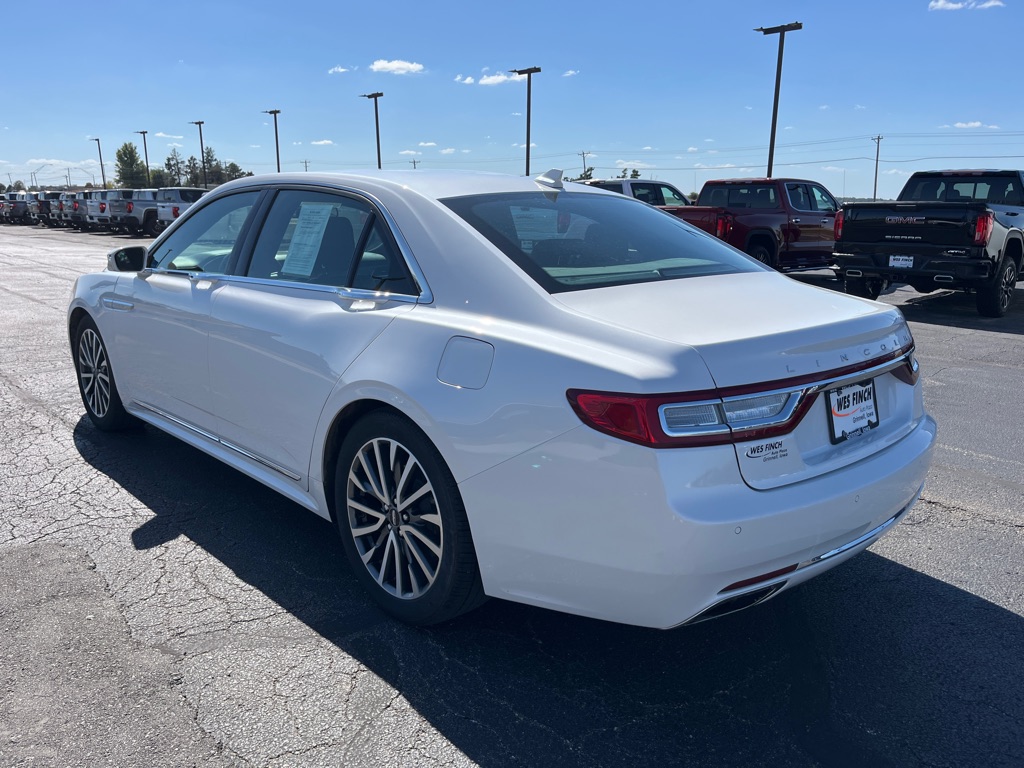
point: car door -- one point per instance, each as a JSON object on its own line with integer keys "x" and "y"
{"x": 826, "y": 206}
{"x": 804, "y": 231}
{"x": 159, "y": 317}
{"x": 325, "y": 278}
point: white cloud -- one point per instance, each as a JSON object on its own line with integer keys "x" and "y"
{"x": 702, "y": 165}
{"x": 523, "y": 146}
{"x": 833, "y": 168}
{"x": 336, "y": 70}
{"x": 570, "y": 72}
{"x": 296, "y": 143}
{"x": 896, "y": 172}
{"x": 410, "y": 152}
{"x": 174, "y": 144}
{"x": 632, "y": 164}
{"x": 859, "y": 106}
{"x": 448, "y": 151}
{"x": 749, "y": 108}
{"x": 709, "y": 140}
{"x": 823, "y": 107}
{"x": 254, "y": 146}
{"x": 464, "y": 80}
{"x": 321, "y": 143}
{"x": 692, "y": 149}
{"x": 500, "y": 78}
{"x": 517, "y": 114}
{"x": 428, "y": 143}
{"x": 973, "y": 124}
{"x": 648, "y": 149}
{"x": 466, "y": 151}
{"x": 162, "y": 135}
{"x": 396, "y": 67}
{"x": 971, "y": 5}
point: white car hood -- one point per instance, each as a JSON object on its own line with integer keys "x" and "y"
{"x": 751, "y": 327}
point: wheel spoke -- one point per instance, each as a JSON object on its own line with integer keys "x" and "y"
{"x": 371, "y": 478}
{"x": 420, "y": 493}
{"x": 412, "y": 531}
{"x": 413, "y": 548}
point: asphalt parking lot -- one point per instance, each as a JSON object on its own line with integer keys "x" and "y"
{"x": 160, "y": 609}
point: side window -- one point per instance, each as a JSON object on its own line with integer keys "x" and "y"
{"x": 798, "y": 197}
{"x": 648, "y": 193}
{"x": 671, "y": 196}
{"x": 327, "y": 239}
{"x": 205, "y": 241}
{"x": 823, "y": 201}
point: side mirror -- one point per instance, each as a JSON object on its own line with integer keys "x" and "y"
{"x": 130, "y": 259}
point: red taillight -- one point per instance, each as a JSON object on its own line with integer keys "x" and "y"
{"x": 624, "y": 416}
{"x": 130, "y": 207}
{"x": 983, "y": 228}
{"x": 175, "y": 211}
{"x": 723, "y": 226}
{"x": 103, "y": 207}
{"x": 837, "y": 228}
{"x": 74, "y": 206}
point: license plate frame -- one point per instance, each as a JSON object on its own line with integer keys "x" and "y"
{"x": 852, "y": 410}
{"x": 901, "y": 262}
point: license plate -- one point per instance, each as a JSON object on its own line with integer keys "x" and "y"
{"x": 902, "y": 261}
{"x": 852, "y": 410}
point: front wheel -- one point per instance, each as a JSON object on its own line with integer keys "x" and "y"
{"x": 403, "y": 524}
{"x": 865, "y": 287}
{"x": 995, "y": 298}
{"x": 96, "y": 380}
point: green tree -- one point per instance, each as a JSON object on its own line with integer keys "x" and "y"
{"x": 131, "y": 171}
{"x": 158, "y": 178}
{"x": 587, "y": 175}
{"x": 175, "y": 168}
{"x": 634, "y": 174}
{"x": 19, "y": 186}
{"x": 193, "y": 176}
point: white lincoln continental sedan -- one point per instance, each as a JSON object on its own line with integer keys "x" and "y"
{"x": 514, "y": 387}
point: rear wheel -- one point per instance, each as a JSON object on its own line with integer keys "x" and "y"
{"x": 762, "y": 253}
{"x": 403, "y": 524}
{"x": 865, "y": 287}
{"x": 995, "y": 298}
{"x": 151, "y": 227}
{"x": 96, "y": 380}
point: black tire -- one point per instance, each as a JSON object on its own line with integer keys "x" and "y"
{"x": 995, "y": 298}
{"x": 865, "y": 287}
{"x": 416, "y": 558}
{"x": 151, "y": 227}
{"x": 96, "y": 380}
{"x": 762, "y": 253}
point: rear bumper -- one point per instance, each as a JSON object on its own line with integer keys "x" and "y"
{"x": 939, "y": 268}
{"x": 660, "y": 538}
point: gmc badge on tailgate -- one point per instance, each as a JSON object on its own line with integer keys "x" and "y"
{"x": 904, "y": 219}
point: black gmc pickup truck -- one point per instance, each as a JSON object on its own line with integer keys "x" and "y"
{"x": 947, "y": 229}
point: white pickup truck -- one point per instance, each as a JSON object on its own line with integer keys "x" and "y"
{"x": 135, "y": 214}
{"x": 174, "y": 201}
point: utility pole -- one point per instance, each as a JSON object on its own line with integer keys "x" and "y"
{"x": 376, "y": 120}
{"x": 202, "y": 150}
{"x": 414, "y": 163}
{"x": 781, "y": 32}
{"x": 277, "y": 145}
{"x": 878, "y": 149}
{"x": 103, "y": 173}
{"x": 529, "y": 72}
{"x": 305, "y": 164}
{"x": 584, "y": 154}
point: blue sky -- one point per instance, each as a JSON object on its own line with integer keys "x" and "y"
{"x": 681, "y": 91}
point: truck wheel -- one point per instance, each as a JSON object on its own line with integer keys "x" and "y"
{"x": 865, "y": 287}
{"x": 151, "y": 228}
{"x": 995, "y": 297}
{"x": 762, "y": 253}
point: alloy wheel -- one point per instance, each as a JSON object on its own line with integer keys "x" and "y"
{"x": 94, "y": 372}
{"x": 394, "y": 519}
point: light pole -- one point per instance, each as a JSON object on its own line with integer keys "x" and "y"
{"x": 529, "y": 72}
{"x": 376, "y": 119}
{"x": 145, "y": 151}
{"x": 202, "y": 150}
{"x": 103, "y": 174}
{"x": 781, "y": 32}
{"x": 277, "y": 146}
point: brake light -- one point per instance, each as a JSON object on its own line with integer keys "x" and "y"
{"x": 837, "y": 228}
{"x": 175, "y": 211}
{"x": 74, "y": 207}
{"x": 723, "y": 226}
{"x": 130, "y": 207}
{"x": 103, "y": 207}
{"x": 983, "y": 228}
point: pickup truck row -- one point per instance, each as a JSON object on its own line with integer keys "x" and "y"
{"x": 133, "y": 211}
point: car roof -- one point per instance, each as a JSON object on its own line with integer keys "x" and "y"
{"x": 435, "y": 185}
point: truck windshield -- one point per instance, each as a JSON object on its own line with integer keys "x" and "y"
{"x": 572, "y": 241}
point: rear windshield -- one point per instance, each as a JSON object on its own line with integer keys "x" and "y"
{"x": 572, "y": 241}
{"x": 738, "y": 196}
{"x": 191, "y": 195}
{"x": 1000, "y": 190}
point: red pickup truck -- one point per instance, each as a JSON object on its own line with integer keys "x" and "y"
{"x": 784, "y": 223}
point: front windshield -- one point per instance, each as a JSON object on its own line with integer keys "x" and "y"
{"x": 570, "y": 241}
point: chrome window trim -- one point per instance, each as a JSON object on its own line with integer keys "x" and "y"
{"x": 345, "y": 293}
